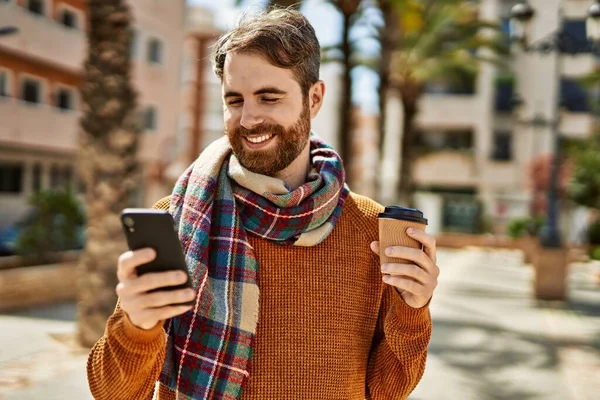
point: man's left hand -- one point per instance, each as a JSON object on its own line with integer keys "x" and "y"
{"x": 415, "y": 282}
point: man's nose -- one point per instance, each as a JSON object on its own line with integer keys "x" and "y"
{"x": 250, "y": 117}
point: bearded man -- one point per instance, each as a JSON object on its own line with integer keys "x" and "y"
{"x": 290, "y": 301}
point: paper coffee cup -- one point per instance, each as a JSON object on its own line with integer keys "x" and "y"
{"x": 393, "y": 223}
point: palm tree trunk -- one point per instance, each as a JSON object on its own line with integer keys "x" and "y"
{"x": 296, "y": 4}
{"x": 345, "y": 125}
{"x": 387, "y": 39}
{"x": 107, "y": 162}
{"x": 410, "y": 93}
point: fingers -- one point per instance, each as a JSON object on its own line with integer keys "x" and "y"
{"x": 163, "y": 313}
{"x": 406, "y": 270}
{"x": 428, "y": 242}
{"x": 407, "y": 285}
{"x": 150, "y": 317}
{"x": 150, "y": 281}
{"x": 407, "y": 253}
{"x": 375, "y": 247}
{"x": 159, "y": 299}
{"x": 129, "y": 260}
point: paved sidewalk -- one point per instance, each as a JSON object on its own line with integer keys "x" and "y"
{"x": 491, "y": 340}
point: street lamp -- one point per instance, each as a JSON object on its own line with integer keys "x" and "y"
{"x": 521, "y": 16}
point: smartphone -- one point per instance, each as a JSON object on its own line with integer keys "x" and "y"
{"x": 147, "y": 227}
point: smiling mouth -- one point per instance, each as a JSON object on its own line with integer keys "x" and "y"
{"x": 259, "y": 139}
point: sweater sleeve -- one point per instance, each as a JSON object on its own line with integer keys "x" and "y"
{"x": 126, "y": 362}
{"x": 399, "y": 350}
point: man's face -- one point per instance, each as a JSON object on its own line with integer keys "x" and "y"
{"x": 266, "y": 115}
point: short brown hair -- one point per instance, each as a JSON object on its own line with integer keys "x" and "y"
{"x": 284, "y": 37}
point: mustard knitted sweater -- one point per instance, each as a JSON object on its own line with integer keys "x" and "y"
{"x": 328, "y": 327}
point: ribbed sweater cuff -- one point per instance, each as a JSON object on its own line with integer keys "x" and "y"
{"x": 137, "y": 339}
{"x": 407, "y": 317}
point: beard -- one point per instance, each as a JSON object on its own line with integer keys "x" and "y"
{"x": 289, "y": 144}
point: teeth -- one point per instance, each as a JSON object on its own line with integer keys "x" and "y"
{"x": 259, "y": 139}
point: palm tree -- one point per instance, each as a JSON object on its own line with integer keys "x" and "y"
{"x": 437, "y": 39}
{"x": 107, "y": 162}
{"x": 388, "y": 36}
{"x": 349, "y": 10}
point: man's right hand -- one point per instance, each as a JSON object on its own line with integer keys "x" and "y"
{"x": 145, "y": 310}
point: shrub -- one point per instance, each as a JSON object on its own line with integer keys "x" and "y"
{"x": 56, "y": 223}
{"x": 519, "y": 227}
{"x": 595, "y": 253}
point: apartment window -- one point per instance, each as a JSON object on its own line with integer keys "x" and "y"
{"x": 11, "y": 178}
{"x": 36, "y": 7}
{"x": 31, "y": 91}
{"x": 4, "y": 84}
{"x": 462, "y": 83}
{"x": 444, "y": 140}
{"x": 505, "y": 89}
{"x": 67, "y": 176}
{"x": 150, "y": 118}
{"x": 574, "y": 96}
{"x": 576, "y": 29}
{"x": 155, "y": 49}
{"x": 64, "y": 99}
{"x": 55, "y": 176}
{"x": 37, "y": 177}
{"x": 69, "y": 19}
{"x": 502, "y": 146}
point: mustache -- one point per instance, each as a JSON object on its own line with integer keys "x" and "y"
{"x": 261, "y": 129}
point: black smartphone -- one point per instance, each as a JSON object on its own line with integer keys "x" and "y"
{"x": 147, "y": 227}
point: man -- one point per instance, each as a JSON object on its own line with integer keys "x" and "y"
{"x": 290, "y": 301}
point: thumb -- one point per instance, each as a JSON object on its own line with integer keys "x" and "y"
{"x": 375, "y": 247}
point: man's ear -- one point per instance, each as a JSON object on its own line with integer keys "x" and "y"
{"x": 315, "y": 98}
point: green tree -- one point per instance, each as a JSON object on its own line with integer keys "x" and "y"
{"x": 107, "y": 158}
{"x": 351, "y": 12}
{"x": 388, "y": 35}
{"x": 442, "y": 39}
{"x": 55, "y": 222}
{"x": 584, "y": 186}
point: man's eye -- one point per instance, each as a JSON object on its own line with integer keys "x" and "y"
{"x": 269, "y": 100}
{"x": 234, "y": 102}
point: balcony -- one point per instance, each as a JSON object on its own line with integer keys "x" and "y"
{"x": 577, "y": 125}
{"x": 578, "y": 66}
{"x": 42, "y": 38}
{"x": 448, "y": 168}
{"x": 37, "y": 126}
{"x": 502, "y": 175}
{"x": 449, "y": 111}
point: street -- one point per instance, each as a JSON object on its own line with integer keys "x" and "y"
{"x": 491, "y": 340}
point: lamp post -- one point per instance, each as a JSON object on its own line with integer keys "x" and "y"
{"x": 560, "y": 42}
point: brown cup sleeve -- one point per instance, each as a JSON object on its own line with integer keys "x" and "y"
{"x": 392, "y": 232}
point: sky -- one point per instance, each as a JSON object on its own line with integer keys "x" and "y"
{"x": 328, "y": 26}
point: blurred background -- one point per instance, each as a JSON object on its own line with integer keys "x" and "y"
{"x": 483, "y": 114}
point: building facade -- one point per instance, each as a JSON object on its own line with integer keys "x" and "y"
{"x": 473, "y": 155}
{"x": 41, "y": 68}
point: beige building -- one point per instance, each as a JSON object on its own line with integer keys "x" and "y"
{"x": 40, "y": 71}
{"x": 474, "y": 155}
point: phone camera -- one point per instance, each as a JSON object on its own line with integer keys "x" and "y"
{"x": 128, "y": 221}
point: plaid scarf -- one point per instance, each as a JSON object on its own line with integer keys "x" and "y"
{"x": 214, "y": 204}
